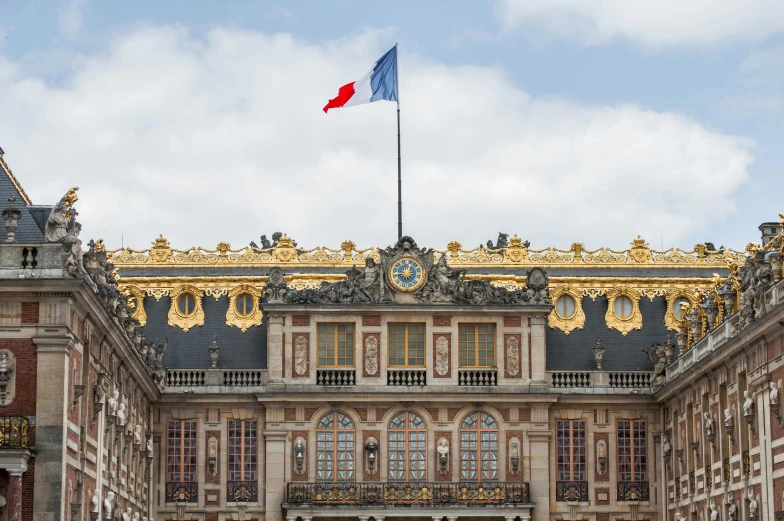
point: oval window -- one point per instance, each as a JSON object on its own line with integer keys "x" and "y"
{"x": 565, "y": 306}
{"x": 244, "y": 305}
{"x": 676, "y": 307}
{"x": 623, "y": 307}
{"x": 186, "y": 304}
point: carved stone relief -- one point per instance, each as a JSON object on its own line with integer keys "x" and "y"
{"x": 7, "y": 377}
{"x": 371, "y": 356}
{"x": 512, "y": 356}
{"x": 442, "y": 356}
{"x": 300, "y": 355}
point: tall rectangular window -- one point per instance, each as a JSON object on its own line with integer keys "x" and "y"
{"x": 243, "y": 470}
{"x": 336, "y": 345}
{"x": 632, "y": 451}
{"x": 406, "y": 345}
{"x": 181, "y": 452}
{"x": 477, "y": 345}
{"x": 571, "y": 450}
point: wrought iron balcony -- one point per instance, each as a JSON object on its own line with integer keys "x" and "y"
{"x": 634, "y": 491}
{"x": 423, "y": 493}
{"x": 182, "y": 491}
{"x": 14, "y": 432}
{"x": 242, "y": 491}
{"x": 571, "y": 491}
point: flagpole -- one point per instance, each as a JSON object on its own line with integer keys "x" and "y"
{"x": 399, "y": 182}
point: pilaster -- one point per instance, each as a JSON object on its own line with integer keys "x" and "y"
{"x": 51, "y": 424}
{"x": 275, "y": 347}
{"x": 539, "y": 443}
{"x": 275, "y": 482}
{"x": 538, "y": 349}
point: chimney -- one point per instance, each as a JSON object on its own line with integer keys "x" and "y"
{"x": 769, "y": 231}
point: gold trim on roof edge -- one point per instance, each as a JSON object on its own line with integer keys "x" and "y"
{"x": 15, "y": 181}
{"x": 516, "y": 254}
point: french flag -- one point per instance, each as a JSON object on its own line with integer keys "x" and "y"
{"x": 378, "y": 84}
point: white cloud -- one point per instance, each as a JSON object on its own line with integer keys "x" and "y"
{"x": 651, "y": 24}
{"x": 71, "y": 19}
{"x": 223, "y": 138}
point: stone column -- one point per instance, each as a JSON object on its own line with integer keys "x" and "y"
{"x": 539, "y": 444}
{"x": 15, "y": 496}
{"x": 275, "y": 486}
{"x": 275, "y": 348}
{"x": 538, "y": 350}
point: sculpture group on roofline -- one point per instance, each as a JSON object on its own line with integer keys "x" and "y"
{"x": 442, "y": 284}
{"x": 93, "y": 266}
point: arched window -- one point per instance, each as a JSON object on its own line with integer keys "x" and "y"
{"x": 478, "y": 448}
{"x": 335, "y": 448}
{"x": 407, "y": 448}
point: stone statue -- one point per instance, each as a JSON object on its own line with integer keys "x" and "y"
{"x": 666, "y": 447}
{"x": 448, "y": 279}
{"x": 442, "y": 355}
{"x": 6, "y": 367}
{"x": 679, "y": 516}
{"x": 121, "y": 415}
{"x": 300, "y": 355}
{"x": 708, "y": 424}
{"x": 512, "y": 356}
{"x": 443, "y": 455}
{"x": 748, "y": 404}
{"x": 275, "y": 289}
{"x": 371, "y": 355}
{"x": 371, "y": 284}
{"x": 536, "y": 281}
{"x": 753, "y": 504}
{"x": 137, "y": 435}
{"x": 136, "y": 517}
{"x": 112, "y": 402}
{"x": 299, "y": 456}
{"x": 732, "y": 509}
{"x": 126, "y": 516}
{"x": 501, "y": 242}
{"x": 371, "y": 448}
{"x": 774, "y": 394}
{"x": 149, "y": 447}
{"x": 265, "y": 243}
{"x": 711, "y": 310}
{"x": 658, "y": 355}
{"x": 95, "y": 502}
{"x": 714, "y": 516}
{"x": 108, "y": 506}
{"x": 728, "y": 418}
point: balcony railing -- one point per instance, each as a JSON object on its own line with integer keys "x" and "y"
{"x": 182, "y": 491}
{"x": 570, "y": 380}
{"x": 634, "y": 491}
{"x": 407, "y": 377}
{"x": 242, "y": 491}
{"x": 477, "y": 377}
{"x": 336, "y": 377}
{"x": 571, "y": 491}
{"x": 14, "y": 432}
{"x": 184, "y": 378}
{"x": 491, "y": 493}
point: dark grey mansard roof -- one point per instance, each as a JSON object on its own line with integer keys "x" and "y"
{"x": 30, "y": 228}
{"x": 189, "y": 350}
{"x": 574, "y": 352}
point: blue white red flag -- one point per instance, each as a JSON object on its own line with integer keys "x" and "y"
{"x": 378, "y": 84}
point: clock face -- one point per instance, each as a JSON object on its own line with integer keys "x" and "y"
{"x": 407, "y": 274}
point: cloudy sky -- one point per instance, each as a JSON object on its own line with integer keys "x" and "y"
{"x": 558, "y": 120}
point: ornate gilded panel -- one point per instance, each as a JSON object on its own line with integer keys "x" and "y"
{"x": 567, "y": 323}
{"x": 244, "y": 310}
{"x": 623, "y": 322}
{"x": 136, "y": 296}
{"x": 186, "y": 310}
{"x": 670, "y": 320}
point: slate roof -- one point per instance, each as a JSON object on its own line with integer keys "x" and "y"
{"x": 574, "y": 352}
{"x": 190, "y": 350}
{"x": 29, "y": 230}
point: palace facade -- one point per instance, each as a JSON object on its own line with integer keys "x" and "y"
{"x": 281, "y": 381}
